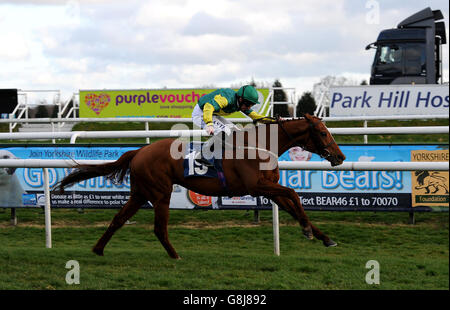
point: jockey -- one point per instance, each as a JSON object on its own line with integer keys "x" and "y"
{"x": 208, "y": 112}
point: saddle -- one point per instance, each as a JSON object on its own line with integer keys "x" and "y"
{"x": 195, "y": 165}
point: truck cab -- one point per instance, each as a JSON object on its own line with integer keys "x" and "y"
{"x": 410, "y": 53}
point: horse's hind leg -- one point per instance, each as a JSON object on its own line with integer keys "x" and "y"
{"x": 125, "y": 213}
{"x": 161, "y": 221}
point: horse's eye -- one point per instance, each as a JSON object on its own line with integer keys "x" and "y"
{"x": 323, "y": 133}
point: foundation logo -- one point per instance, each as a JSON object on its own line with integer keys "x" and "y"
{"x": 431, "y": 183}
{"x": 97, "y": 102}
{"x": 430, "y": 188}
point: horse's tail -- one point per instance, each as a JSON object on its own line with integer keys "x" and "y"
{"x": 116, "y": 170}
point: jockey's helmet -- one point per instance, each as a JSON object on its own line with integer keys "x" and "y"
{"x": 249, "y": 94}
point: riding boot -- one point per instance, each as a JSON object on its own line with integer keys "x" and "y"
{"x": 219, "y": 154}
{"x": 208, "y": 148}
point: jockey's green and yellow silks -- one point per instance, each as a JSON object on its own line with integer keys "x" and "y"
{"x": 223, "y": 101}
{"x": 168, "y": 103}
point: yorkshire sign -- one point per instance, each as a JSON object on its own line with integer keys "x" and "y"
{"x": 377, "y": 100}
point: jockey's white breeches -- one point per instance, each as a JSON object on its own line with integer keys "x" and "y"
{"x": 220, "y": 123}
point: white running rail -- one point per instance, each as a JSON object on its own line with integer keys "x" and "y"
{"x": 200, "y": 133}
{"x": 60, "y": 163}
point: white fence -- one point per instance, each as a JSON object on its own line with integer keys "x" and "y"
{"x": 51, "y": 163}
{"x": 189, "y": 120}
{"x": 73, "y": 135}
{"x": 283, "y": 165}
{"x": 56, "y": 123}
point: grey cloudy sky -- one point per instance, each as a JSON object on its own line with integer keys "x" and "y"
{"x": 72, "y": 45}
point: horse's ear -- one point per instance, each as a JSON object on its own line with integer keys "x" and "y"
{"x": 307, "y": 116}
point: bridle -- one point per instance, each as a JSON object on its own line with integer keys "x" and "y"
{"x": 323, "y": 149}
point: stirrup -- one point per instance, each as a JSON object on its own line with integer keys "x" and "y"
{"x": 204, "y": 162}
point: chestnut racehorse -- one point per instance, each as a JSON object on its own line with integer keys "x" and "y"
{"x": 153, "y": 172}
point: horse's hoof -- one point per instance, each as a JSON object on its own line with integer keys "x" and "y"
{"x": 329, "y": 243}
{"x": 308, "y": 234}
{"x": 99, "y": 252}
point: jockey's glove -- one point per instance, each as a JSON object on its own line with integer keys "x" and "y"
{"x": 210, "y": 130}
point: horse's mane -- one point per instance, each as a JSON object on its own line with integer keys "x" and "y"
{"x": 283, "y": 120}
{"x": 273, "y": 121}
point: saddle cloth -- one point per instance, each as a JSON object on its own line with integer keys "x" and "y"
{"x": 194, "y": 169}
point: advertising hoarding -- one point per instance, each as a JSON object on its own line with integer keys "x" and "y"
{"x": 157, "y": 103}
{"x": 385, "y": 100}
{"x": 318, "y": 190}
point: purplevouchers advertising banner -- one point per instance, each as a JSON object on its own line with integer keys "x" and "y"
{"x": 318, "y": 190}
{"x": 155, "y": 103}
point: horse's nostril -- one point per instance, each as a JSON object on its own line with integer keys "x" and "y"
{"x": 341, "y": 157}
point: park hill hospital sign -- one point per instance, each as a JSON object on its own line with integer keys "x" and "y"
{"x": 389, "y": 100}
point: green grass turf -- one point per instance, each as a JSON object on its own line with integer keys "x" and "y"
{"x": 226, "y": 250}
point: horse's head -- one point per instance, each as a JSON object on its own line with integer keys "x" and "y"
{"x": 322, "y": 142}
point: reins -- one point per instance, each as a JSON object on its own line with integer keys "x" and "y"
{"x": 311, "y": 127}
{"x": 291, "y": 138}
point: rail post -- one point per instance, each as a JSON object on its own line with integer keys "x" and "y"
{"x": 256, "y": 216}
{"x": 147, "y": 140}
{"x": 53, "y": 130}
{"x": 13, "y": 217}
{"x": 412, "y": 219}
{"x": 47, "y": 211}
{"x": 276, "y": 229}
{"x": 366, "y": 140}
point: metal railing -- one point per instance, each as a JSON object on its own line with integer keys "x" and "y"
{"x": 21, "y": 111}
{"x": 291, "y": 99}
{"x": 349, "y": 166}
{"x": 73, "y": 135}
{"x": 68, "y": 110}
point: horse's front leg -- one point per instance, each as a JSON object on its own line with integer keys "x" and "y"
{"x": 309, "y": 231}
{"x": 298, "y": 214}
{"x": 161, "y": 221}
{"x": 289, "y": 201}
